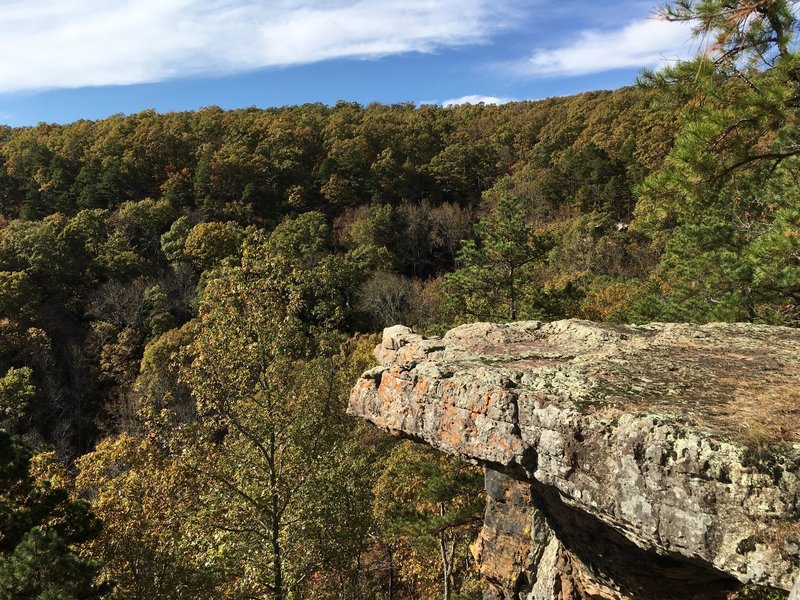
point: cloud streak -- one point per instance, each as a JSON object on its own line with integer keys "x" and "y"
{"x": 643, "y": 43}
{"x": 476, "y": 99}
{"x": 76, "y": 43}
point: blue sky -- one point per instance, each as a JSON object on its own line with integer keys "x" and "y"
{"x": 71, "y": 59}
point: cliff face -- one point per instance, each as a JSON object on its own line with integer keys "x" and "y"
{"x": 654, "y": 462}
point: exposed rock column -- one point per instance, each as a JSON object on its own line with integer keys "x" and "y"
{"x": 520, "y": 556}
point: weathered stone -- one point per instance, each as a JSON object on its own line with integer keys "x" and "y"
{"x": 659, "y": 461}
{"x": 795, "y": 595}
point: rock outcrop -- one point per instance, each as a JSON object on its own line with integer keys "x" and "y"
{"x": 649, "y": 462}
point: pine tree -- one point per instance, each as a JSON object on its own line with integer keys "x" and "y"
{"x": 39, "y": 529}
{"x": 493, "y": 270}
{"x": 729, "y": 185}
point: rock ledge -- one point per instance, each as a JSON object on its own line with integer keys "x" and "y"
{"x": 658, "y": 461}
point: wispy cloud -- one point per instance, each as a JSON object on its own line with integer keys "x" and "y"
{"x": 476, "y": 99}
{"x": 77, "y": 43}
{"x": 643, "y": 43}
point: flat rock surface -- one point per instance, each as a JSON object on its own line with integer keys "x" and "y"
{"x": 683, "y": 439}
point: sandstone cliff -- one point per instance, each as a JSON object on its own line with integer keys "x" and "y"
{"x": 650, "y": 462}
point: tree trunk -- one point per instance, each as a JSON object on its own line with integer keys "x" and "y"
{"x": 277, "y": 562}
{"x": 446, "y": 562}
{"x": 277, "y": 567}
{"x": 512, "y": 309}
{"x": 391, "y": 571}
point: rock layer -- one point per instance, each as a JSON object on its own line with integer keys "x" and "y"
{"x": 657, "y": 461}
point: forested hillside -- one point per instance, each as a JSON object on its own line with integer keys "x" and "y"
{"x": 185, "y": 300}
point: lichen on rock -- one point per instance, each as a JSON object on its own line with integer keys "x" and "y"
{"x": 656, "y": 461}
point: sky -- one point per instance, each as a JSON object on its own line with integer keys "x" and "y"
{"x": 65, "y": 60}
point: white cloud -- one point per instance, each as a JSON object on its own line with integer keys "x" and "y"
{"x": 643, "y": 43}
{"x": 76, "y": 43}
{"x": 476, "y": 99}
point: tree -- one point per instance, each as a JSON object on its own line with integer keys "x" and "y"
{"x": 16, "y": 294}
{"x": 465, "y": 167}
{"x": 754, "y": 29}
{"x": 159, "y": 318}
{"x": 429, "y": 501}
{"x": 176, "y": 499}
{"x": 452, "y": 224}
{"x": 494, "y": 269}
{"x": 147, "y": 501}
{"x": 208, "y": 244}
{"x": 141, "y": 225}
{"x": 40, "y": 528}
{"x": 304, "y": 239}
{"x": 269, "y": 445}
{"x": 415, "y": 249}
{"x": 329, "y": 282}
{"x": 174, "y": 240}
{"x": 374, "y": 225}
{"x": 730, "y": 180}
{"x": 386, "y": 299}
{"x": 17, "y": 391}
{"x": 165, "y": 401}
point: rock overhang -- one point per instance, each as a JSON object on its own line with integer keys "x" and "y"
{"x": 682, "y": 439}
